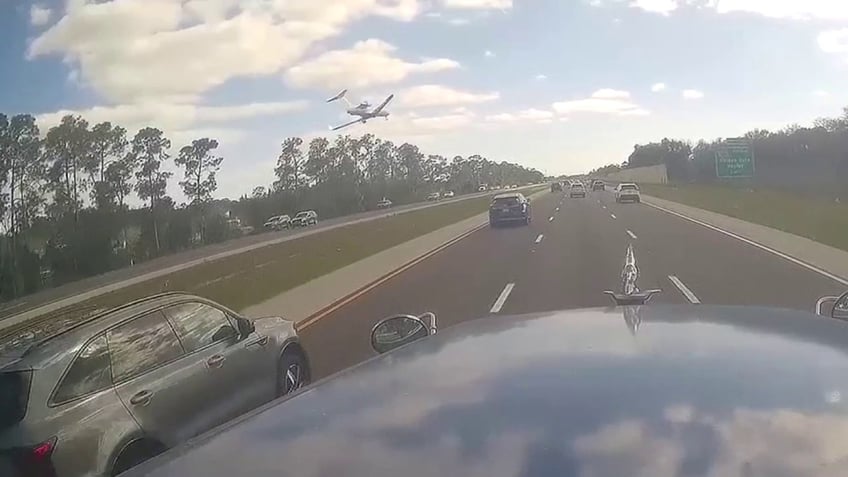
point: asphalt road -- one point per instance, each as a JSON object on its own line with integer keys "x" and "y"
{"x": 573, "y": 250}
{"x": 44, "y": 297}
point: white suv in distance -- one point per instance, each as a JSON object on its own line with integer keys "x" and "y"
{"x": 278, "y": 222}
{"x": 627, "y": 191}
{"x": 304, "y": 218}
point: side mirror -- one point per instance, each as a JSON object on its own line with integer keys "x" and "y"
{"x": 245, "y": 327}
{"x": 396, "y": 331}
{"x": 840, "y": 307}
{"x": 225, "y": 333}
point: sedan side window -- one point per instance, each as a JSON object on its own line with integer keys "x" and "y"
{"x": 198, "y": 324}
{"x": 142, "y": 344}
{"x": 90, "y": 372}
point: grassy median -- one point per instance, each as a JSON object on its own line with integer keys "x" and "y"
{"x": 824, "y": 221}
{"x": 249, "y": 278}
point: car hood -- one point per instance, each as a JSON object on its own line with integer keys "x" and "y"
{"x": 637, "y": 391}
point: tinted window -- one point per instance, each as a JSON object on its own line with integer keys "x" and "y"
{"x": 88, "y": 373}
{"x": 505, "y": 201}
{"x": 14, "y": 394}
{"x": 629, "y": 187}
{"x": 142, "y": 344}
{"x": 196, "y": 324}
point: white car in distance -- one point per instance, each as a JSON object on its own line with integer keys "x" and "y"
{"x": 278, "y": 222}
{"x": 448, "y": 195}
{"x": 627, "y": 191}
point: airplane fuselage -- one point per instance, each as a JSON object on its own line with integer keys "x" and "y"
{"x": 367, "y": 114}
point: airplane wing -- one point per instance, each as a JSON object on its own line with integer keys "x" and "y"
{"x": 380, "y": 107}
{"x": 345, "y": 125}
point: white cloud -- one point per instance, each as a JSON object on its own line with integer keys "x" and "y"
{"x": 437, "y": 95}
{"x": 785, "y": 9}
{"x": 478, "y": 4}
{"x": 657, "y": 87}
{"x": 663, "y": 7}
{"x": 834, "y": 41}
{"x": 791, "y": 9}
{"x": 130, "y": 49}
{"x": 489, "y": 54}
{"x": 39, "y": 15}
{"x": 527, "y": 115}
{"x": 459, "y": 21}
{"x": 541, "y": 77}
{"x": 368, "y": 63}
{"x": 820, "y": 93}
{"x": 692, "y": 94}
{"x": 602, "y": 101}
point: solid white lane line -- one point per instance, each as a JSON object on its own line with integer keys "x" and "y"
{"x": 684, "y": 290}
{"x": 631, "y": 234}
{"x": 550, "y": 219}
{"x": 539, "y": 238}
{"x": 499, "y": 303}
{"x": 613, "y": 216}
{"x": 755, "y": 244}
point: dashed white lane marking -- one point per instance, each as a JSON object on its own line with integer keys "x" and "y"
{"x": 755, "y": 244}
{"x": 550, "y": 219}
{"x": 603, "y": 207}
{"x": 613, "y": 216}
{"x": 631, "y": 234}
{"x": 557, "y": 209}
{"x": 539, "y": 238}
{"x": 499, "y": 303}
{"x": 684, "y": 290}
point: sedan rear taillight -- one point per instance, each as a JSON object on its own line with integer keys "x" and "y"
{"x": 34, "y": 461}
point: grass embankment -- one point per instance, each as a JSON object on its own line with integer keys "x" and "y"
{"x": 824, "y": 221}
{"x": 249, "y": 278}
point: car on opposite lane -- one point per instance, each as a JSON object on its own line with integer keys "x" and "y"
{"x": 384, "y": 203}
{"x": 305, "y": 218}
{"x": 434, "y": 196}
{"x": 449, "y": 195}
{"x": 102, "y": 391}
{"x": 627, "y": 192}
{"x": 577, "y": 190}
{"x": 510, "y": 208}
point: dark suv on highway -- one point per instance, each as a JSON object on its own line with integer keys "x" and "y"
{"x": 107, "y": 390}
{"x": 507, "y": 208}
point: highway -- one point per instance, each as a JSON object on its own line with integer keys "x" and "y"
{"x": 86, "y": 288}
{"x": 573, "y": 250}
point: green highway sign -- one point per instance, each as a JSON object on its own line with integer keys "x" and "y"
{"x": 735, "y": 159}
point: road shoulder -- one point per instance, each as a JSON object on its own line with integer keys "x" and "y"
{"x": 824, "y": 259}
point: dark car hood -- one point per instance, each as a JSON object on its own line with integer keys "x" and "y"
{"x": 651, "y": 391}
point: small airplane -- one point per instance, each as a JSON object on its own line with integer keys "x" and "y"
{"x": 362, "y": 110}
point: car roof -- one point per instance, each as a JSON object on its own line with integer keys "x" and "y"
{"x": 509, "y": 195}
{"x": 645, "y": 390}
{"x": 39, "y": 342}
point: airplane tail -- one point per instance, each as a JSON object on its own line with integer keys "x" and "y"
{"x": 339, "y": 96}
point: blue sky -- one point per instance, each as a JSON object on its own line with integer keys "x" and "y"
{"x": 560, "y": 85}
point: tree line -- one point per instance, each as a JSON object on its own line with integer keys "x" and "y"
{"x": 65, "y": 193}
{"x": 809, "y": 159}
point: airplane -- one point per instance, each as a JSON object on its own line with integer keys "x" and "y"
{"x": 362, "y": 110}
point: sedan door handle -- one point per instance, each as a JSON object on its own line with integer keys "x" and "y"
{"x": 215, "y": 361}
{"x": 141, "y": 398}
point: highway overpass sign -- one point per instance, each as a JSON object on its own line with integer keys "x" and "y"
{"x": 734, "y": 159}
